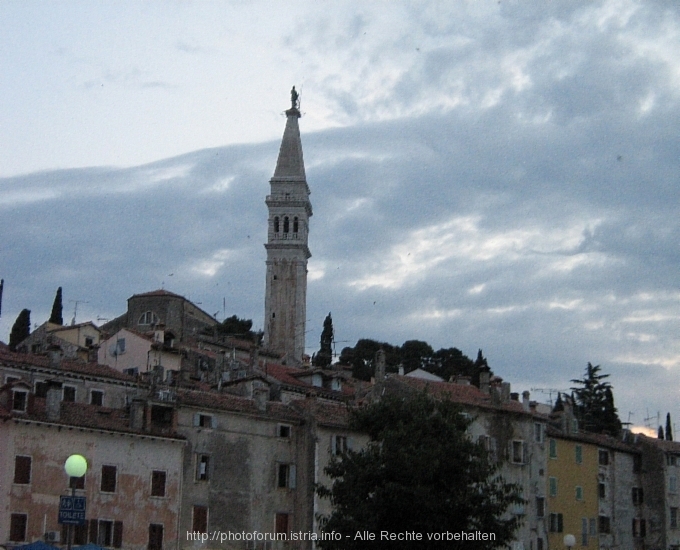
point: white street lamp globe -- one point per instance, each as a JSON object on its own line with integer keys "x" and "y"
{"x": 75, "y": 466}
{"x": 569, "y": 540}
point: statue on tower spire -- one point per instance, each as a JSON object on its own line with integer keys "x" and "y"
{"x": 294, "y": 99}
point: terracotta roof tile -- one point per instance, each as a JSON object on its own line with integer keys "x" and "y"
{"x": 92, "y": 369}
{"x": 601, "y": 440}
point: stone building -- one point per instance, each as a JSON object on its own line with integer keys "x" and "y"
{"x": 180, "y": 319}
{"x": 287, "y": 249}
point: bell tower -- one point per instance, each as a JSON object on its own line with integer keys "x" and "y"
{"x": 285, "y": 302}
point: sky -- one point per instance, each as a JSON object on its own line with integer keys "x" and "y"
{"x": 500, "y": 175}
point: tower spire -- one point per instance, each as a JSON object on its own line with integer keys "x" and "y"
{"x": 287, "y": 248}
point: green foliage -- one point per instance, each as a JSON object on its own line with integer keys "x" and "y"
{"x": 594, "y": 403}
{"x": 413, "y": 354}
{"x": 21, "y": 329}
{"x": 669, "y": 429}
{"x": 238, "y": 328}
{"x": 57, "y": 310}
{"x": 419, "y": 473}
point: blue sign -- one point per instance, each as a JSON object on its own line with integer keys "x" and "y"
{"x": 71, "y": 510}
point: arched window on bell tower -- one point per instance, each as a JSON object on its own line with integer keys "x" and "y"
{"x": 286, "y": 225}
{"x": 276, "y": 224}
{"x": 295, "y": 224}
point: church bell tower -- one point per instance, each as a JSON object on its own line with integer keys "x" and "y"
{"x": 285, "y": 303}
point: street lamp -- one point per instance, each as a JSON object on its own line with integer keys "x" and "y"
{"x": 75, "y": 466}
{"x": 569, "y": 540}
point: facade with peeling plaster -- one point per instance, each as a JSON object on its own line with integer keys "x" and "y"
{"x": 133, "y": 485}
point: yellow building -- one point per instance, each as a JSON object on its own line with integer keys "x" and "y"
{"x": 573, "y": 490}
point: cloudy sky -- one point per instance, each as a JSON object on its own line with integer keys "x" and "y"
{"x": 500, "y": 175}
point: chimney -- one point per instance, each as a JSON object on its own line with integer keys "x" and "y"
{"x": 505, "y": 392}
{"x": 514, "y": 396}
{"x": 525, "y": 400}
{"x": 401, "y": 370}
{"x": 261, "y": 396}
{"x": 379, "y": 365}
{"x": 53, "y": 401}
{"x": 137, "y": 414}
{"x": 484, "y": 377}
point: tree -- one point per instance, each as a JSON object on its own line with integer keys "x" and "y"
{"x": 594, "y": 403}
{"x": 416, "y": 354}
{"x": 669, "y": 430}
{"x": 21, "y": 329}
{"x": 240, "y": 328}
{"x": 659, "y": 433}
{"x": 325, "y": 355}
{"x": 419, "y": 473}
{"x": 57, "y": 309}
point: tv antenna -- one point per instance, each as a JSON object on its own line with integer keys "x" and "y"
{"x": 75, "y": 309}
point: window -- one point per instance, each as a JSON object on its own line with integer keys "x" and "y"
{"x": 41, "y": 389}
{"x": 89, "y": 341}
{"x": 602, "y": 490}
{"x": 284, "y": 431}
{"x": 489, "y": 444}
{"x": 593, "y": 527}
{"x": 161, "y": 417}
{"x": 295, "y": 224}
{"x": 281, "y": 523}
{"x": 338, "y": 444}
{"x": 202, "y": 467}
{"x": 204, "y": 420}
{"x": 120, "y": 346}
{"x": 604, "y": 525}
{"x": 639, "y": 527}
{"x": 69, "y": 394}
{"x": 539, "y": 543}
{"x": 158, "y": 483}
{"x": 79, "y": 534}
{"x": 155, "y": 537}
{"x": 97, "y": 398}
{"x": 540, "y": 507}
{"x": 674, "y": 518}
{"x": 286, "y": 225}
{"x": 553, "y": 486}
{"x": 672, "y": 484}
{"x": 19, "y": 400}
{"x": 579, "y": 492}
{"x": 556, "y": 523}
{"x": 106, "y": 532}
{"x": 584, "y": 531}
{"x": 200, "y": 519}
{"x": 538, "y": 432}
{"x": 108, "y": 484}
{"x": 603, "y": 457}
{"x": 671, "y": 460}
{"x": 276, "y": 224}
{"x": 578, "y": 450}
{"x": 286, "y": 476}
{"x": 148, "y": 318}
{"x": 17, "y": 527}
{"x": 518, "y": 452}
{"x": 638, "y": 496}
{"x": 553, "y": 448}
{"x": 22, "y": 470}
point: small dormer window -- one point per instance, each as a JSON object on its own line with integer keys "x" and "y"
{"x": 19, "y": 400}
{"x": 148, "y": 318}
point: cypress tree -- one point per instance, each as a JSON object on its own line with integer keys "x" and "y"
{"x": 659, "y": 434}
{"x": 21, "y": 329}
{"x": 57, "y": 310}
{"x": 669, "y": 430}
